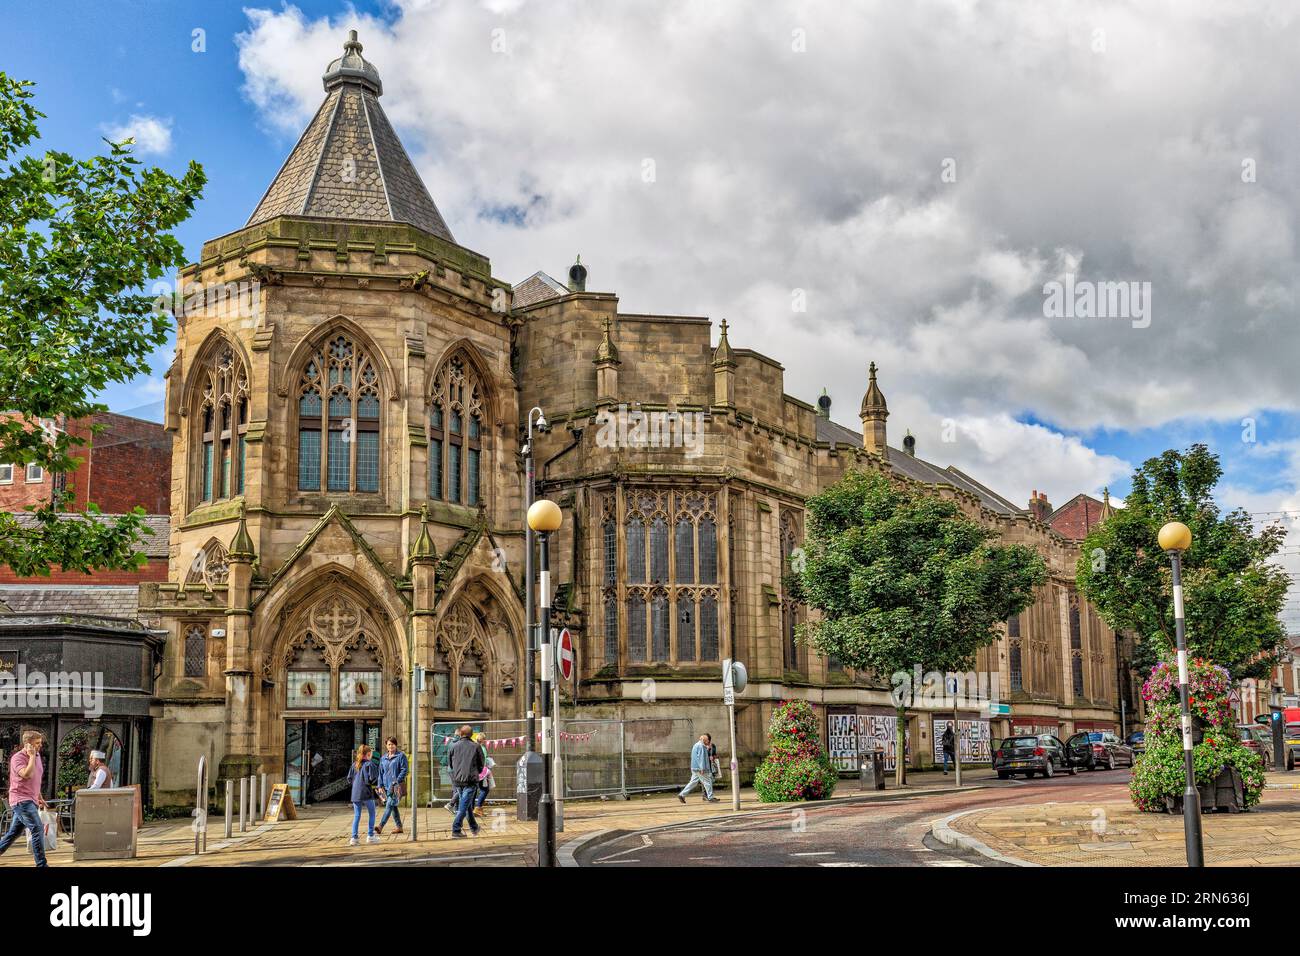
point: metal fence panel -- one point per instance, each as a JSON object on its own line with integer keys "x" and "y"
{"x": 600, "y": 757}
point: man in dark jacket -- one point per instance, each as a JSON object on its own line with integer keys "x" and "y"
{"x": 465, "y": 761}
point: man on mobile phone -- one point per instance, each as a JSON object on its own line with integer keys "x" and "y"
{"x": 25, "y": 772}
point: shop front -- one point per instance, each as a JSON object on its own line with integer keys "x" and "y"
{"x": 85, "y": 683}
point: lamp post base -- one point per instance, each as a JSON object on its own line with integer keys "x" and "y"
{"x": 546, "y": 832}
{"x": 1192, "y": 827}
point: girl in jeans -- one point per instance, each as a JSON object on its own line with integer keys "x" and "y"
{"x": 393, "y": 768}
{"x": 364, "y": 777}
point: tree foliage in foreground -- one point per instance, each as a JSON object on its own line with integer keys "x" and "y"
{"x": 79, "y": 239}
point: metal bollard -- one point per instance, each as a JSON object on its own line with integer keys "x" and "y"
{"x": 261, "y": 803}
{"x": 230, "y": 806}
{"x": 252, "y": 800}
{"x": 243, "y": 804}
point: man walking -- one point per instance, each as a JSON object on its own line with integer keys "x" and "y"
{"x": 25, "y": 772}
{"x": 701, "y": 770}
{"x": 949, "y": 748}
{"x": 466, "y": 763}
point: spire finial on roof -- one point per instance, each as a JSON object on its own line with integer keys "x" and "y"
{"x": 352, "y": 67}
{"x": 873, "y": 403}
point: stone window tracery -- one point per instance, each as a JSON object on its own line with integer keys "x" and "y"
{"x": 338, "y": 419}
{"x": 670, "y": 594}
{"x": 456, "y": 429}
{"x": 223, "y": 424}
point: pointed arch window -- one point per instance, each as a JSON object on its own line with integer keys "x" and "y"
{"x": 338, "y": 419}
{"x": 456, "y": 428}
{"x": 223, "y": 424}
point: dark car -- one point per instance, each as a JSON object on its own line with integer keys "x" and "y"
{"x": 1043, "y": 754}
{"x": 1137, "y": 742}
{"x": 1257, "y": 739}
{"x": 1107, "y": 750}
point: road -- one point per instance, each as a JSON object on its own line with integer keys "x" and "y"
{"x": 883, "y": 831}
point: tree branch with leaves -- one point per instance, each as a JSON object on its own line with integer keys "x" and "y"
{"x": 79, "y": 239}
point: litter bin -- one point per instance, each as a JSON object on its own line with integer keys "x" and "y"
{"x": 872, "y": 771}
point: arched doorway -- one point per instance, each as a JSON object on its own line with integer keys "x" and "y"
{"x": 335, "y": 681}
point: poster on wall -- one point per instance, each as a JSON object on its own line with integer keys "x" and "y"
{"x": 850, "y": 734}
{"x": 973, "y": 740}
{"x": 1035, "y": 730}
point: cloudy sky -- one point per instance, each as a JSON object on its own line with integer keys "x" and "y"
{"x": 914, "y": 173}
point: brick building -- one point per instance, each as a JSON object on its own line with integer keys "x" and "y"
{"x": 124, "y": 466}
{"x": 347, "y": 495}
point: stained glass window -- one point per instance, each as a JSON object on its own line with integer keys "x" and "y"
{"x": 456, "y": 433}
{"x": 196, "y": 651}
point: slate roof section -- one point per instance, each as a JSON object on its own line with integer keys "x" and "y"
{"x": 538, "y": 287}
{"x": 350, "y": 165}
{"x": 919, "y": 469}
{"x": 154, "y": 539}
{"x": 91, "y": 600}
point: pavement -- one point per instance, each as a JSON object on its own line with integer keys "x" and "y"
{"x": 1113, "y": 833}
{"x": 319, "y": 837}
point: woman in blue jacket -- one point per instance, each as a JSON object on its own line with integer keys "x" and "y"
{"x": 393, "y": 768}
{"x": 364, "y": 778}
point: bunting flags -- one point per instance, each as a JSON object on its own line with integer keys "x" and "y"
{"x": 519, "y": 741}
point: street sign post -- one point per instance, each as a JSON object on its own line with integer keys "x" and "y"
{"x": 734, "y": 678}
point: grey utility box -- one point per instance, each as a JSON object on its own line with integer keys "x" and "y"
{"x": 105, "y": 827}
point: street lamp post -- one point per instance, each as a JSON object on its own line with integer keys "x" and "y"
{"x": 530, "y": 485}
{"x": 544, "y": 517}
{"x": 1175, "y": 538}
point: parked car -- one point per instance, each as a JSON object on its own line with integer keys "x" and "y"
{"x": 1043, "y": 754}
{"x": 1079, "y": 749}
{"x": 1290, "y": 735}
{"x": 1137, "y": 742}
{"x": 1108, "y": 751}
{"x": 1257, "y": 738}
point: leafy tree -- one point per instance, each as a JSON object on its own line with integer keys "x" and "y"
{"x": 905, "y": 579}
{"x": 1233, "y": 594}
{"x": 78, "y": 240}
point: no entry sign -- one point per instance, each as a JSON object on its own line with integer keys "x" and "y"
{"x": 565, "y": 654}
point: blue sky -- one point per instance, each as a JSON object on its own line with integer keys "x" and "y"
{"x": 550, "y": 111}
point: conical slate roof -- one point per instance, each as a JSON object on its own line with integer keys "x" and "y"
{"x": 349, "y": 164}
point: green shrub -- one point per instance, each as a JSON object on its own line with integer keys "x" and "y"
{"x": 796, "y": 767}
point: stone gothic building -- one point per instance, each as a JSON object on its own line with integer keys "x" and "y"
{"x": 347, "y": 494}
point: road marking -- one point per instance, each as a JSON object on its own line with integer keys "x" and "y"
{"x": 817, "y": 853}
{"x": 843, "y": 863}
{"x": 706, "y": 858}
{"x": 645, "y": 842}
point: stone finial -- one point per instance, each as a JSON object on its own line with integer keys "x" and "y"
{"x": 723, "y": 355}
{"x": 873, "y": 415}
{"x": 241, "y": 547}
{"x": 423, "y": 551}
{"x": 607, "y": 352}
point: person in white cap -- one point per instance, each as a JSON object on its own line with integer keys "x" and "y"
{"x": 101, "y": 777}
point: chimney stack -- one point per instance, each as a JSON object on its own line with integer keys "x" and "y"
{"x": 1039, "y": 506}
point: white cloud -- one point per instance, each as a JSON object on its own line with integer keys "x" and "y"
{"x": 152, "y": 134}
{"x": 822, "y": 170}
